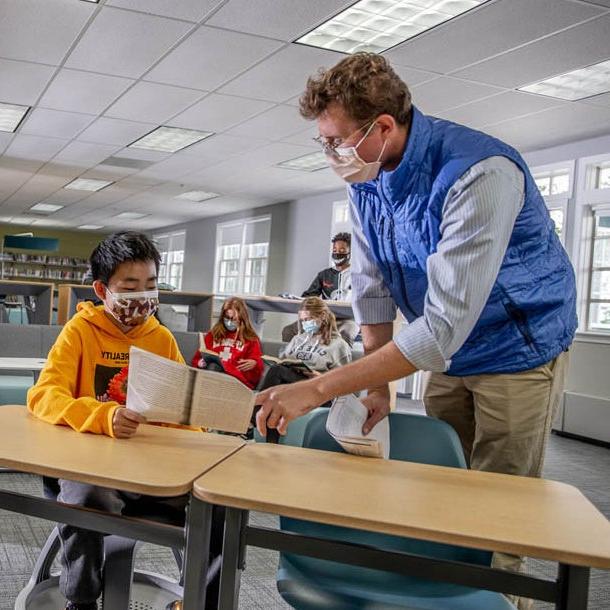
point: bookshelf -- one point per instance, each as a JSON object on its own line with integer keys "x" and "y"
{"x": 43, "y": 268}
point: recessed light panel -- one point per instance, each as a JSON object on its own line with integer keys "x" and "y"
{"x": 197, "y": 196}
{"x": 377, "y": 25}
{"x": 306, "y": 163}
{"x": 90, "y": 227}
{"x": 170, "y": 139}
{"x": 11, "y": 116}
{"x": 575, "y": 85}
{"x": 46, "y": 207}
{"x": 86, "y": 184}
{"x": 130, "y": 215}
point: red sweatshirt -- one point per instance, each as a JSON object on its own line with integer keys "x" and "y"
{"x": 231, "y": 351}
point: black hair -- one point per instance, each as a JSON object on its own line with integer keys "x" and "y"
{"x": 343, "y": 236}
{"x": 118, "y": 248}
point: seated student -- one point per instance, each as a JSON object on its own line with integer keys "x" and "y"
{"x": 319, "y": 346}
{"x": 236, "y": 343}
{"x": 83, "y": 386}
{"x": 332, "y": 284}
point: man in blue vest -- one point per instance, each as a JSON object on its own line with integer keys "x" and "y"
{"x": 448, "y": 226}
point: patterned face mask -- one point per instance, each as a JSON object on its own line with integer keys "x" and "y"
{"x": 132, "y": 308}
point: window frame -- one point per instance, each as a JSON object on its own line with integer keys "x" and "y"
{"x": 166, "y": 254}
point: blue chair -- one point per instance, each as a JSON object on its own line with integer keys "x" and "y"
{"x": 313, "y": 584}
{"x": 296, "y": 429}
{"x": 14, "y": 388}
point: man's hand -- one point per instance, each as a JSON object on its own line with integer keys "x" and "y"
{"x": 246, "y": 364}
{"x": 125, "y": 422}
{"x": 283, "y": 403}
{"x": 378, "y": 404}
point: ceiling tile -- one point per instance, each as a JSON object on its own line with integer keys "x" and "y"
{"x": 39, "y": 30}
{"x": 190, "y": 10}
{"x": 219, "y": 147}
{"x": 115, "y": 131}
{"x": 445, "y": 92}
{"x": 490, "y": 29}
{"x": 209, "y": 57}
{"x": 173, "y": 167}
{"x": 123, "y": 43}
{"x": 34, "y": 147}
{"x": 83, "y": 91}
{"x": 85, "y": 154}
{"x": 270, "y": 18}
{"x": 152, "y": 102}
{"x": 283, "y": 75}
{"x": 218, "y": 112}
{"x": 598, "y": 100}
{"x": 22, "y": 82}
{"x": 499, "y": 108}
{"x": 577, "y": 47}
{"x": 411, "y": 76}
{"x": 54, "y": 123}
{"x": 553, "y": 127}
{"x": 274, "y": 124}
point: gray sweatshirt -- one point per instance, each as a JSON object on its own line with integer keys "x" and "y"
{"x": 310, "y": 349}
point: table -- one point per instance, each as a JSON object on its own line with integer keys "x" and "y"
{"x": 23, "y": 364}
{"x": 43, "y": 293}
{"x": 31, "y": 445}
{"x": 518, "y": 515}
{"x": 200, "y": 304}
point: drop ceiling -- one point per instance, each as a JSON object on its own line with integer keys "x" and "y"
{"x": 99, "y": 76}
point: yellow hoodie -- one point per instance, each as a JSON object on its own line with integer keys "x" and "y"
{"x": 78, "y": 386}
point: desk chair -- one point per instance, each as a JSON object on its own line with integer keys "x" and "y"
{"x": 14, "y": 388}
{"x": 313, "y": 584}
{"x": 148, "y": 591}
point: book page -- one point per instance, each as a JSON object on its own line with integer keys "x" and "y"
{"x": 157, "y": 387}
{"x": 221, "y": 402}
{"x": 345, "y": 420}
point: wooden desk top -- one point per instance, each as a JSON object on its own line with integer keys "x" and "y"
{"x": 156, "y": 461}
{"x": 532, "y": 517}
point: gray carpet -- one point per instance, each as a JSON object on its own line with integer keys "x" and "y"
{"x": 570, "y": 461}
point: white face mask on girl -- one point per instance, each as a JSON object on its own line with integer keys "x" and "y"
{"x": 132, "y": 308}
{"x": 347, "y": 163}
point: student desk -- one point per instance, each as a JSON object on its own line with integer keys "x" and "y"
{"x": 23, "y": 364}
{"x": 200, "y": 304}
{"x": 532, "y": 517}
{"x": 156, "y": 461}
{"x": 43, "y": 292}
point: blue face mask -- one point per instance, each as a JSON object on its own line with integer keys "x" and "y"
{"x": 310, "y": 326}
{"x": 229, "y": 324}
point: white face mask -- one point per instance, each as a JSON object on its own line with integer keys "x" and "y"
{"x": 347, "y": 163}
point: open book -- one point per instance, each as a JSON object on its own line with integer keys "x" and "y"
{"x": 345, "y": 420}
{"x": 167, "y": 391}
{"x": 293, "y": 362}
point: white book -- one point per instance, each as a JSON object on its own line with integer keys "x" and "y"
{"x": 345, "y": 420}
{"x": 166, "y": 391}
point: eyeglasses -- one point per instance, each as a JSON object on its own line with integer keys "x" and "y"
{"x": 330, "y": 145}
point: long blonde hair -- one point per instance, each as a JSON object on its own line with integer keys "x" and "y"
{"x": 320, "y": 311}
{"x": 245, "y": 330}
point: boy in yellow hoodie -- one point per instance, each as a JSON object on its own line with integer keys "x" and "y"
{"x": 83, "y": 385}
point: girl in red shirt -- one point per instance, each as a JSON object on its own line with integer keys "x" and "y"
{"x": 236, "y": 344}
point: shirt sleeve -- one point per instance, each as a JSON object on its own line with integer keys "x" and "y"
{"x": 315, "y": 288}
{"x": 372, "y": 302}
{"x": 478, "y": 217}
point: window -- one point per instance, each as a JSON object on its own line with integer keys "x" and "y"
{"x": 599, "y": 285}
{"x": 555, "y": 185}
{"x": 242, "y": 253}
{"x": 602, "y": 176}
{"x": 171, "y": 248}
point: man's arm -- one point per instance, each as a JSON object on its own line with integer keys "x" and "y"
{"x": 315, "y": 288}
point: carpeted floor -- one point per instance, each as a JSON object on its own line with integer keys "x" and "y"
{"x": 580, "y": 464}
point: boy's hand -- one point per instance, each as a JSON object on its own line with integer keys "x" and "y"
{"x": 126, "y": 422}
{"x": 246, "y": 364}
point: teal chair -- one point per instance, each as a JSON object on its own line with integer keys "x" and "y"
{"x": 14, "y": 389}
{"x": 313, "y": 584}
{"x": 296, "y": 429}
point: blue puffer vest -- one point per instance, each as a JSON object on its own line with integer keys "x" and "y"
{"x": 530, "y": 316}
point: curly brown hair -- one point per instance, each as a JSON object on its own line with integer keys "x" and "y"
{"x": 319, "y": 310}
{"x": 364, "y": 84}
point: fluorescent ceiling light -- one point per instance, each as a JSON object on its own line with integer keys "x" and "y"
{"x": 130, "y": 215}
{"x": 46, "y": 207}
{"x": 87, "y": 184}
{"x": 197, "y": 196}
{"x": 377, "y": 25}
{"x": 170, "y": 139}
{"x": 311, "y": 162}
{"x": 11, "y": 115}
{"x": 90, "y": 227}
{"x": 575, "y": 85}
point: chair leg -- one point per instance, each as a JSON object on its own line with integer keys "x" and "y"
{"x": 118, "y": 572}
{"x": 42, "y": 567}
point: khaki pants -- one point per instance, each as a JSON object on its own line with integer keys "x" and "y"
{"x": 503, "y": 421}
